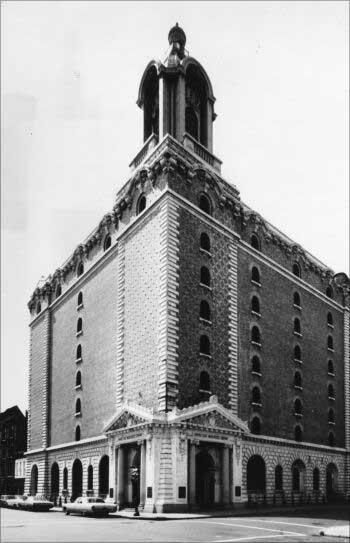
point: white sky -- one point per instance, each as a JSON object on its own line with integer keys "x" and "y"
{"x": 70, "y": 126}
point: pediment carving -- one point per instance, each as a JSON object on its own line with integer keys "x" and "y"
{"x": 213, "y": 420}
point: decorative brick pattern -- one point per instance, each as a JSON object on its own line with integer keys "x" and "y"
{"x": 120, "y": 322}
{"x": 233, "y": 328}
{"x": 347, "y": 397}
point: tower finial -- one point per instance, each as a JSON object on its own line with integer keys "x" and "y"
{"x": 177, "y": 36}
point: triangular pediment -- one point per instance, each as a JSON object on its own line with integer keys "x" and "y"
{"x": 129, "y": 415}
{"x": 210, "y": 414}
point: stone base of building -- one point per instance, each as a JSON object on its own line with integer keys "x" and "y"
{"x": 199, "y": 458}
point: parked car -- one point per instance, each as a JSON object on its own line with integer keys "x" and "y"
{"x": 35, "y": 503}
{"x": 7, "y": 499}
{"x": 88, "y": 505}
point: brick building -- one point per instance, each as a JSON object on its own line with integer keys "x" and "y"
{"x": 13, "y": 444}
{"x": 187, "y": 337}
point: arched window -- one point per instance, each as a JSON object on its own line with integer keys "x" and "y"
{"x": 80, "y": 270}
{"x": 141, "y": 204}
{"x": 103, "y": 475}
{"x": 256, "y": 395}
{"x": 77, "y": 433}
{"x": 204, "y": 345}
{"x": 278, "y": 478}
{"x": 80, "y": 299}
{"x": 330, "y": 367}
{"x": 330, "y": 342}
{"x": 255, "y": 335}
{"x": 256, "y": 474}
{"x": 38, "y": 308}
{"x": 107, "y": 242}
{"x": 331, "y": 417}
{"x": 205, "y": 242}
{"x": 298, "y": 474}
{"x": 256, "y": 367}
{"x": 58, "y": 291}
{"x": 255, "y": 426}
{"x": 296, "y": 299}
{"x": 65, "y": 479}
{"x": 255, "y": 242}
{"x": 297, "y": 379}
{"x": 204, "y": 381}
{"x": 191, "y": 123}
{"x": 204, "y": 310}
{"x": 331, "y": 439}
{"x": 90, "y": 478}
{"x": 205, "y": 276}
{"x": 79, "y": 352}
{"x": 297, "y": 352}
{"x": 298, "y": 407}
{"x": 78, "y": 379}
{"x": 78, "y": 406}
{"x": 255, "y": 275}
{"x": 34, "y": 480}
{"x": 298, "y": 433}
{"x": 79, "y": 325}
{"x": 330, "y": 319}
{"x": 297, "y": 327}
{"x": 255, "y": 305}
{"x": 296, "y": 269}
{"x": 331, "y": 391}
{"x": 205, "y": 204}
{"x": 329, "y": 292}
{"x": 316, "y": 479}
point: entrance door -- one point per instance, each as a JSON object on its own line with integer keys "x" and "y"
{"x": 205, "y": 479}
{"x": 77, "y": 479}
{"x": 135, "y": 479}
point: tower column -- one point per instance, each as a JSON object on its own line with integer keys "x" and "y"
{"x": 120, "y": 480}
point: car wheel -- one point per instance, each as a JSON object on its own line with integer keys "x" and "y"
{"x": 67, "y": 512}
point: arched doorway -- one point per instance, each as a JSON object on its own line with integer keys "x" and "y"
{"x": 298, "y": 474}
{"x": 205, "y": 478}
{"x": 135, "y": 482}
{"x": 256, "y": 475}
{"x": 331, "y": 481}
{"x": 77, "y": 479}
{"x": 34, "y": 480}
{"x": 103, "y": 476}
{"x": 55, "y": 481}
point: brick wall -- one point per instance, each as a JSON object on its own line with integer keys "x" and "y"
{"x": 277, "y": 360}
{"x": 98, "y": 365}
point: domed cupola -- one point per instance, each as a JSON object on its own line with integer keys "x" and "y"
{"x": 177, "y": 97}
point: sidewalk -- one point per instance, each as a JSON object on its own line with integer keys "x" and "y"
{"x": 239, "y": 512}
{"x": 337, "y": 531}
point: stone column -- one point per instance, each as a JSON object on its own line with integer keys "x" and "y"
{"x": 225, "y": 470}
{"x": 180, "y": 108}
{"x": 192, "y": 472}
{"x": 239, "y": 494}
{"x": 112, "y": 471}
{"x": 143, "y": 474}
{"x": 120, "y": 476}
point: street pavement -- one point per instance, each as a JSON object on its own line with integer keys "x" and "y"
{"x": 25, "y": 526}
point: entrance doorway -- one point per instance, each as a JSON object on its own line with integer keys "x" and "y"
{"x": 331, "y": 481}
{"x": 135, "y": 479}
{"x": 103, "y": 476}
{"x": 77, "y": 479}
{"x": 55, "y": 481}
{"x": 205, "y": 479}
{"x": 34, "y": 480}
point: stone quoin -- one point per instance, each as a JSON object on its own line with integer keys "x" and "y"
{"x": 187, "y": 339}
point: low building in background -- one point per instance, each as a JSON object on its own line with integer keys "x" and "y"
{"x": 13, "y": 444}
{"x": 188, "y": 353}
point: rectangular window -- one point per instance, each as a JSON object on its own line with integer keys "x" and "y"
{"x": 237, "y": 491}
{"x": 182, "y": 492}
{"x": 149, "y": 492}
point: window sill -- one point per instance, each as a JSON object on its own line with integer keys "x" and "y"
{"x": 298, "y": 334}
{"x": 256, "y": 314}
{"x": 330, "y": 350}
{"x": 206, "y": 286}
{"x": 256, "y": 373}
{"x": 331, "y": 374}
{"x": 298, "y": 387}
{"x": 298, "y": 360}
{"x": 78, "y": 360}
{"x": 256, "y": 404}
{"x": 256, "y": 344}
{"x": 204, "y": 391}
{"x": 77, "y": 387}
{"x": 205, "y": 321}
{"x": 331, "y": 423}
{"x": 330, "y": 325}
{"x": 80, "y": 306}
{"x": 206, "y": 355}
{"x": 77, "y": 414}
{"x": 298, "y": 307}
{"x": 255, "y": 283}
{"x": 300, "y": 415}
{"x": 331, "y": 398}
{"x": 204, "y": 251}
{"x": 80, "y": 333}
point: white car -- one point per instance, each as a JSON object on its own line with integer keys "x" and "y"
{"x": 35, "y": 503}
{"x": 9, "y": 500}
{"x": 93, "y": 506}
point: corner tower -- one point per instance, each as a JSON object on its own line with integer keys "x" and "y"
{"x": 176, "y": 95}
